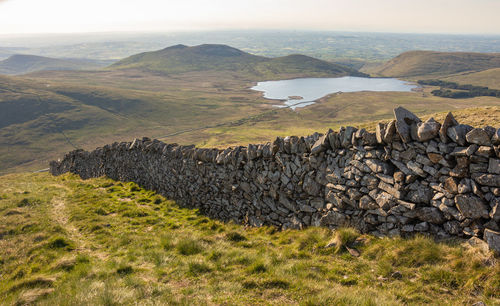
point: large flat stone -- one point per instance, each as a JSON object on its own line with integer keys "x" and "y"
{"x": 404, "y": 121}
{"x": 471, "y": 206}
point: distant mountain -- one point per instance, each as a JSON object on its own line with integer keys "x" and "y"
{"x": 22, "y": 64}
{"x": 181, "y": 59}
{"x": 427, "y": 63}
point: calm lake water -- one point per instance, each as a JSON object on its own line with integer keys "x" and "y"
{"x": 303, "y": 92}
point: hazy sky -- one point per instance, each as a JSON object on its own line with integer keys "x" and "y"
{"x": 422, "y": 16}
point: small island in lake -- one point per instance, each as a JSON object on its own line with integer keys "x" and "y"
{"x": 295, "y": 98}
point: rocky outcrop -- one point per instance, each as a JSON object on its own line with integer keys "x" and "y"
{"x": 408, "y": 177}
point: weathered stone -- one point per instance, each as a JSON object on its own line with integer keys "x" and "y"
{"x": 377, "y": 166}
{"x": 334, "y": 218}
{"x": 485, "y": 151}
{"x": 427, "y": 130}
{"x": 434, "y": 157}
{"x": 451, "y": 185}
{"x": 347, "y": 136}
{"x": 380, "y": 132}
{"x": 430, "y": 214}
{"x": 494, "y": 166}
{"x": 457, "y": 133}
{"x": 321, "y": 145}
{"x": 495, "y": 139}
{"x": 367, "y": 203}
{"x": 390, "y": 131}
{"x": 404, "y": 120}
{"x": 478, "y": 136}
{"x": 492, "y": 180}
{"x": 492, "y": 238}
{"x": 311, "y": 186}
{"x": 390, "y": 190}
{"x": 495, "y": 211}
{"x": 317, "y": 203}
{"x": 421, "y": 227}
{"x": 333, "y": 139}
{"x": 452, "y": 227}
{"x": 448, "y": 122}
{"x": 416, "y": 168}
{"x": 471, "y": 206}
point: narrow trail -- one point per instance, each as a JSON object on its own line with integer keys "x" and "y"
{"x": 60, "y": 214}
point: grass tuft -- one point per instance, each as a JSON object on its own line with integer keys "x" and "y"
{"x": 189, "y": 247}
{"x": 235, "y": 237}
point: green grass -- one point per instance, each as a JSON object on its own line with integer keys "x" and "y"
{"x": 98, "y": 242}
{"x": 211, "y": 57}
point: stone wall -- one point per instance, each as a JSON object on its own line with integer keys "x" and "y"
{"x": 409, "y": 176}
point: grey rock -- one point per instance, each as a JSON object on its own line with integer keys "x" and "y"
{"x": 334, "y": 218}
{"x": 452, "y": 227}
{"x": 457, "y": 133}
{"x": 471, "y": 206}
{"x": 478, "y": 136}
{"x": 347, "y": 136}
{"x": 492, "y": 238}
{"x": 380, "y": 132}
{"x": 495, "y": 139}
{"x": 391, "y": 190}
{"x": 390, "y": 131}
{"x": 377, "y": 166}
{"x": 367, "y": 203}
{"x": 448, "y": 122}
{"x": 311, "y": 186}
{"x": 321, "y": 145}
{"x": 427, "y": 130}
{"x": 430, "y": 214}
{"x": 495, "y": 211}
{"x": 485, "y": 151}
{"x": 416, "y": 168}
{"x": 421, "y": 227}
{"x": 494, "y": 166}
{"x": 492, "y": 180}
{"x": 404, "y": 120}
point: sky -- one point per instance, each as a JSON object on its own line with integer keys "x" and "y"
{"x": 413, "y": 16}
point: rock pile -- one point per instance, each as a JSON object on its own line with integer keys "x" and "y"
{"x": 407, "y": 177}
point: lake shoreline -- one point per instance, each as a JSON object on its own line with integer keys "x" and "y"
{"x": 302, "y": 92}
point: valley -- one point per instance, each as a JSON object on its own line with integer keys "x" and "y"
{"x": 47, "y": 113}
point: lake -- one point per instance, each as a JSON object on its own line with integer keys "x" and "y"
{"x": 302, "y": 92}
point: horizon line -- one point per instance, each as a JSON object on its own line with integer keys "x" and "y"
{"x": 178, "y": 31}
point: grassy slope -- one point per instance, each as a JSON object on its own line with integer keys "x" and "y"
{"x": 431, "y": 63}
{"x": 37, "y": 111}
{"x": 21, "y": 64}
{"x": 212, "y": 108}
{"x": 181, "y": 59}
{"x": 68, "y": 241}
{"x": 355, "y": 109}
{"x": 489, "y": 78}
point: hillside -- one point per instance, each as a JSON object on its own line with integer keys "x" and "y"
{"x": 429, "y": 63}
{"x": 212, "y": 57}
{"x": 41, "y": 118}
{"x": 489, "y": 78}
{"x": 22, "y": 64}
{"x": 102, "y": 242}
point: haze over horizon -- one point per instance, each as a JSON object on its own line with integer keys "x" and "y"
{"x": 426, "y": 16}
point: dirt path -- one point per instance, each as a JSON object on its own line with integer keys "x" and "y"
{"x": 60, "y": 214}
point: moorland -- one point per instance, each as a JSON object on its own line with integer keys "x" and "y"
{"x": 69, "y": 241}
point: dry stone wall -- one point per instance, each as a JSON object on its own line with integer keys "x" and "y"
{"x": 407, "y": 177}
